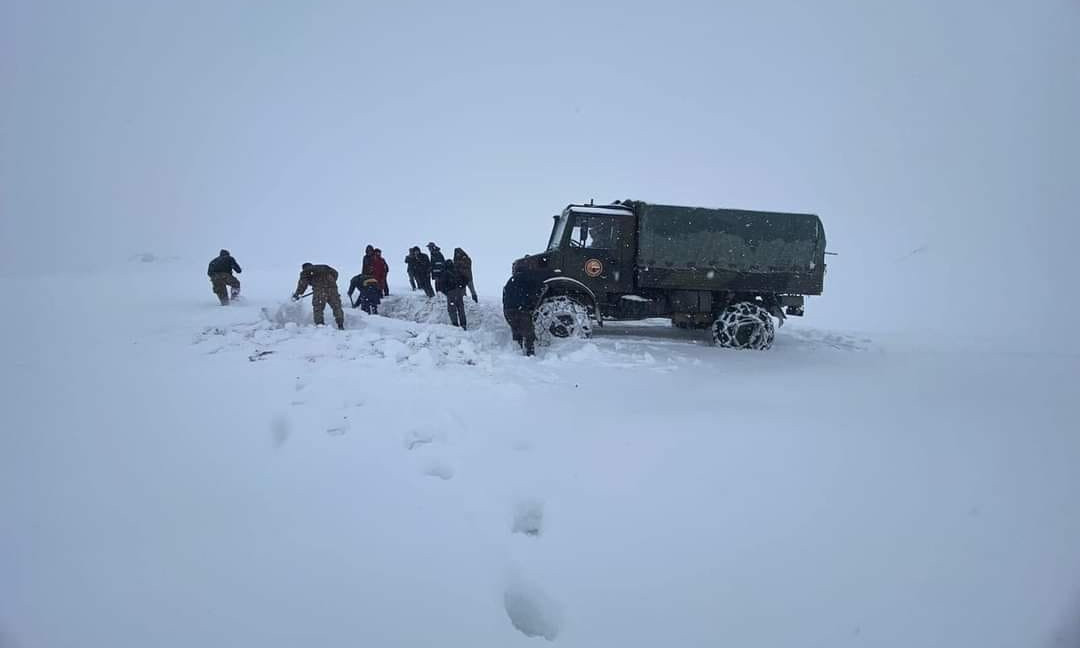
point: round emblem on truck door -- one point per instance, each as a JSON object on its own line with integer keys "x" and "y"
{"x": 594, "y": 268}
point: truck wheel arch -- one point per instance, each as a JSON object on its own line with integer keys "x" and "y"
{"x": 572, "y": 287}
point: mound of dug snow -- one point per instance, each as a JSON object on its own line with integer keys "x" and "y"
{"x": 415, "y": 307}
{"x": 412, "y": 331}
{"x": 487, "y": 326}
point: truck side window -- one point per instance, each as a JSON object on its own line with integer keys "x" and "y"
{"x": 593, "y": 232}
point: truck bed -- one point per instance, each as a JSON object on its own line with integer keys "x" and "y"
{"x": 729, "y": 249}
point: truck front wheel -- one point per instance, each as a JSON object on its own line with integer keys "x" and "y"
{"x": 745, "y": 325}
{"x": 561, "y": 317}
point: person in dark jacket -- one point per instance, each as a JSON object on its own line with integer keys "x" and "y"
{"x": 438, "y": 262}
{"x": 380, "y": 269}
{"x": 369, "y": 257}
{"x": 521, "y": 296}
{"x": 221, "y": 271}
{"x": 324, "y": 290}
{"x": 463, "y": 262}
{"x": 369, "y": 294}
{"x": 423, "y": 271}
{"x": 410, "y": 268}
{"x": 452, "y": 284}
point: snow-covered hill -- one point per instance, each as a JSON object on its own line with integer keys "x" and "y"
{"x": 174, "y": 473}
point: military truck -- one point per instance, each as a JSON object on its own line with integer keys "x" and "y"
{"x": 729, "y": 270}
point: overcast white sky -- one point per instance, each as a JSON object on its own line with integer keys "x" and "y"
{"x": 297, "y": 131}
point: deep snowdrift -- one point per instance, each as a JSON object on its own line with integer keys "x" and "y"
{"x": 173, "y": 473}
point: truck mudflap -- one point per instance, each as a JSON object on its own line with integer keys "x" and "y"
{"x": 781, "y": 306}
{"x": 570, "y": 286}
{"x": 792, "y": 304}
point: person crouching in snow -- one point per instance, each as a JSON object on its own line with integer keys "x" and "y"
{"x": 369, "y": 293}
{"x": 324, "y": 290}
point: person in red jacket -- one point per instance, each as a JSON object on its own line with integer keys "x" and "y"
{"x": 380, "y": 269}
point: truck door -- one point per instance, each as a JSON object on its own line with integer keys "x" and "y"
{"x": 599, "y": 252}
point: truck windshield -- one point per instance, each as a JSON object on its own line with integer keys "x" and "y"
{"x": 557, "y": 232}
{"x": 591, "y": 231}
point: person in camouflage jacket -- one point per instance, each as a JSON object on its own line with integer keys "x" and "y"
{"x": 324, "y": 290}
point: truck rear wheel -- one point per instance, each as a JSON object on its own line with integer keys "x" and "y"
{"x": 561, "y": 317}
{"x": 745, "y": 325}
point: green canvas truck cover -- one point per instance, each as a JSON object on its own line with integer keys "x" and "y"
{"x": 729, "y": 249}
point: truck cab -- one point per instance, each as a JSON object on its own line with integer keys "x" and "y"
{"x": 595, "y": 245}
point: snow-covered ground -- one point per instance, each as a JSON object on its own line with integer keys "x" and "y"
{"x": 174, "y": 473}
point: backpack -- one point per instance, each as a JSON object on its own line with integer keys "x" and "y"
{"x": 449, "y": 279}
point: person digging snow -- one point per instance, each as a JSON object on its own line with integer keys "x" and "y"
{"x": 324, "y": 290}
{"x": 220, "y": 271}
{"x": 369, "y": 294}
{"x": 521, "y": 296}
